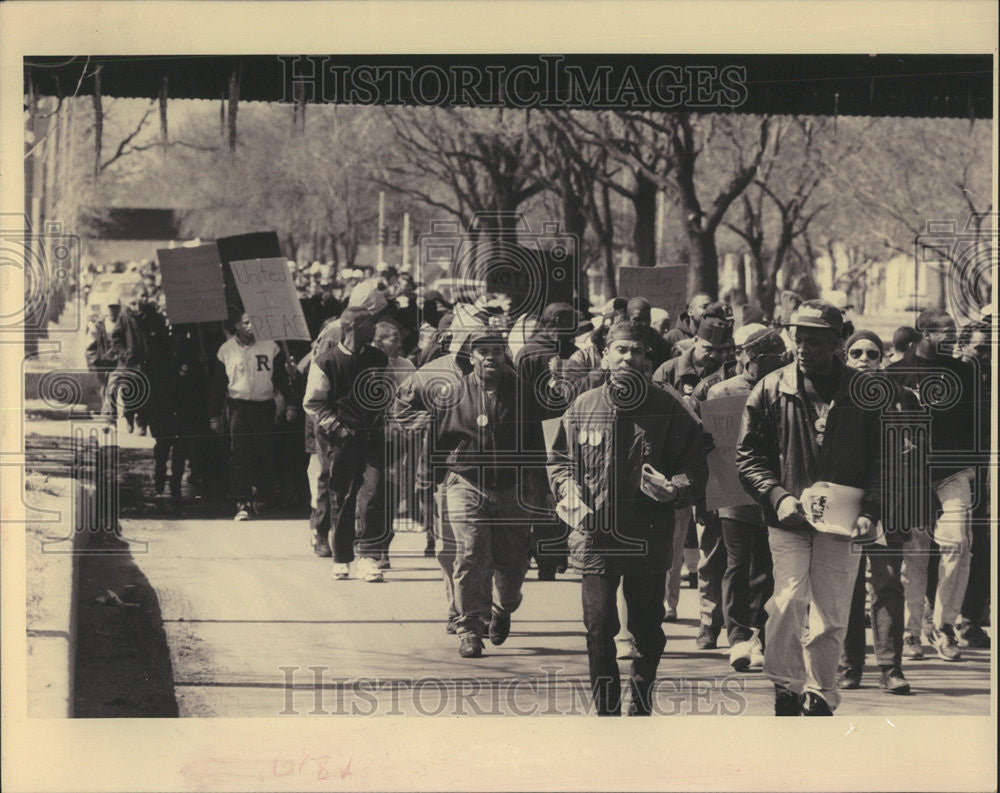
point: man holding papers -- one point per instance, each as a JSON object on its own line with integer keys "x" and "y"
{"x": 626, "y": 454}
{"x": 801, "y": 427}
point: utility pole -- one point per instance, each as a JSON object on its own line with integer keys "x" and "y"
{"x": 381, "y": 228}
{"x": 406, "y": 240}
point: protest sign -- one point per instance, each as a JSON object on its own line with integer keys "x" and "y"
{"x": 192, "y": 284}
{"x": 722, "y": 418}
{"x": 270, "y": 299}
{"x": 663, "y": 287}
{"x": 241, "y": 248}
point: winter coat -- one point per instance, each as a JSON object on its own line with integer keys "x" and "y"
{"x": 777, "y": 453}
{"x": 602, "y": 445}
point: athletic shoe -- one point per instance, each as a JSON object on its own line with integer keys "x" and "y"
{"x": 625, "y": 648}
{"x": 242, "y": 513}
{"x": 786, "y": 703}
{"x": 944, "y": 642}
{"x": 321, "y": 547}
{"x": 471, "y": 646}
{"x": 368, "y": 570}
{"x": 893, "y": 681}
{"x": 499, "y": 627}
{"x": 815, "y": 705}
{"x": 912, "y": 648}
{"x": 739, "y": 655}
{"x": 670, "y": 614}
{"x": 341, "y": 572}
{"x": 971, "y": 635}
{"x": 383, "y": 563}
{"x": 707, "y": 639}
{"x": 757, "y": 655}
{"x": 849, "y": 679}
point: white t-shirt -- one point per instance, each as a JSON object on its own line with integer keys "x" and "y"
{"x": 249, "y": 369}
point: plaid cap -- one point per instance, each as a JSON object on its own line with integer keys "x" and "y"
{"x": 766, "y": 341}
{"x": 817, "y": 314}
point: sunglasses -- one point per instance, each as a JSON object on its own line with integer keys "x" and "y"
{"x": 871, "y": 355}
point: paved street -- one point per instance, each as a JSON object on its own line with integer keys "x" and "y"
{"x": 256, "y": 627}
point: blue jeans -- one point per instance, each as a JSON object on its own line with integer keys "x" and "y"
{"x": 644, "y": 598}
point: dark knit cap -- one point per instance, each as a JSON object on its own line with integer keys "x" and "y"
{"x": 866, "y": 334}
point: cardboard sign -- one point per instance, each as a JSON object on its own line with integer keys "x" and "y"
{"x": 270, "y": 299}
{"x": 722, "y": 418}
{"x": 663, "y": 287}
{"x": 192, "y": 284}
{"x": 241, "y": 248}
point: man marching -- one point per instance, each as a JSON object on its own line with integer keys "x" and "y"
{"x": 626, "y": 454}
{"x": 479, "y": 439}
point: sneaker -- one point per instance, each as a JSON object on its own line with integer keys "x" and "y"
{"x": 849, "y": 679}
{"x": 756, "y": 654}
{"x": 452, "y": 626}
{"x": 242, "y": 513}
{"x": 893, "y": 681}
{"x": 499, "y": 627}
{"x": 368, "y": 569}
{"x": 321, "y": 547}
{"x": 739, "y": 655}
{"x": 341, "y": 572}
{"x": 383, "y": 563}
{"x": 471, "y": 646}
{"x": 786, "y": 702}
{"x": 944, "y": 642}
{"x": 707, "y": 639}
{"x": 912, "y": 648}
{"x": 815, "y": 705}
{"x": 670, "y": 614}
{"x": 971, "y": 635}
{"x": 626, "y": 649}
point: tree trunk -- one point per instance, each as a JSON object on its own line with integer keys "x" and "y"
{"x": 234, "y": 101}
{"x": 645, "y": 221}
{"x": 98, "y": 124}
{"x": 704, "y": 262}
{"x": 607, "y": 235}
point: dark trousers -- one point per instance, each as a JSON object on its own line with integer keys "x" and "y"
{"x": 549, "y": 543}
{"x": 350, "y": 497}
{"x": 748, "y": 582}
{"x": 886, "y": 589}
{"x": 177, "y": 449}
{"x": 644, "y": 598}
{"x": 975, "y": 604}
{"x": 251, "y": 436}
{"x": 711, "y": 570}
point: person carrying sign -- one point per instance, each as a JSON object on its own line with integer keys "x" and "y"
{"x": 248, "y": 374}
{"x": 625, "y": 455}
{"x": 801, "y": 426}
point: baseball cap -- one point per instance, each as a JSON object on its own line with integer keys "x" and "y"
{"x": 715, "y": 330}
{"x": 817, "y": 314}
{"x": 487, "y": 335}
{"x": 742, "y": 333}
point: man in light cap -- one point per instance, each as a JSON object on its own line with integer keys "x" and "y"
{"x": 748, "y": 580}
{"x": 626, "y": 454}
{"x": 801, "y": 425}
{"x": 481, "y": 444}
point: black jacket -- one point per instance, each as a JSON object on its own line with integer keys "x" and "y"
{"x": 777, "y": 453}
